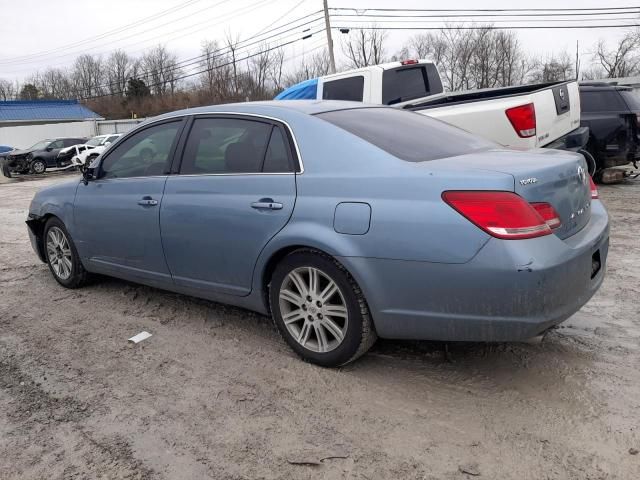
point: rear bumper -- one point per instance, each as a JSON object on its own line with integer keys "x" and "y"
{"x": 574, "y": 140}
{"x": 511, "y": 290}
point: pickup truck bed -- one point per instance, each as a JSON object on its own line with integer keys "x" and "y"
{"x": 556, "y": 111}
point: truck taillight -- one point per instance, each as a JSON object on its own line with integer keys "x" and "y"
{"x": 501, "y": 214}
{"x": 409, "y": 62}
{"x": 523, "y": 119}
{"x": 594, "y": 189}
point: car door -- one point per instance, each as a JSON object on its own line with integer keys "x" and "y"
{"x": 117, "y": 215}
{"x": 51, "y": 153}
{"x": 235, "y": 190}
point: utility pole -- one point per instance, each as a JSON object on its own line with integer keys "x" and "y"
{"x": 327, "y": 24}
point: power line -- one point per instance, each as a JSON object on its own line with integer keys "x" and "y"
{"x": 242, "y": 45}
{"x": 227, "y": 16}
{"x": 182, "y": 77}
{"x": 108, "y": 33}
{"x": 491, "y": 15}
{"x": 488, "y": 27}
{"x": 405, "y": 20}
{"x": 482, "y": 9}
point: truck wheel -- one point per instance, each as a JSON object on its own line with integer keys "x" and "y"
{"x": 38, "y": 166}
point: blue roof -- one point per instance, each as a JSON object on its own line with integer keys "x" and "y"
{"x": 306, "y": 90}
{"x": 29, "y": 110}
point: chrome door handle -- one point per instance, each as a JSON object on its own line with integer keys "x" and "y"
{"x": 266, "y": 204}
{"x": 147, "y": 202}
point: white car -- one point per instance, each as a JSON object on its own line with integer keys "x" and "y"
{"x": 93, "y": 148}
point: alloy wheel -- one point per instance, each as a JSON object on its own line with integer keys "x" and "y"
{"x": 313, "y": 309}
{"x": 59, "y": 253}
{"x": 38, "y": 167}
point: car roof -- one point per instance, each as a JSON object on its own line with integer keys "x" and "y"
{"x": 271, "y": 107}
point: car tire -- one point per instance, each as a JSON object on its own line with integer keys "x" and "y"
{"x": 37, "y": 166}
{"x": 61, "y": 255}
{"x": 319, "y": 309}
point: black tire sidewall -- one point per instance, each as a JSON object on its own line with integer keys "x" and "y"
{"x": 77, "y": 270}
{"x": 353, "y": 338}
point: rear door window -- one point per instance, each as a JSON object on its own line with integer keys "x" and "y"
{"x": 601, "y": 101}
{"x": 406, "y": 135}
{"x": 351, "y": 88}
{"x": 632, "y": 99}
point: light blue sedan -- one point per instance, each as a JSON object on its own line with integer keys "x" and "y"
{"x": 345, "y": 222}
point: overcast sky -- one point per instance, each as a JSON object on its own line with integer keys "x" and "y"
{"x": 37, "y": 34}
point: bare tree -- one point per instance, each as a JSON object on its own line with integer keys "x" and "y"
{"x": 624, "y": 60}
{"x": 276, "y": 68}
{"x": 554, "y": 68}
{"x": 315, "y": 66}
{"x": 364, "y": 47}
{"x": 88, "y": 75}
{"x": 162, "y": 70}
{"x": 118, "y": 68}
{"x": 232, "y": 44}
{"x": 7, "y": 90}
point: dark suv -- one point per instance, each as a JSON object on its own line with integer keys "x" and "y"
{"x": 42, "y": 155}
{"x": 612, "y": 113}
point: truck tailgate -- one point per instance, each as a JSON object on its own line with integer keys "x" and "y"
{"x": 557, "y": 112}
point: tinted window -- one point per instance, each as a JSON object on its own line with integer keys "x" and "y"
{"x": 143, "y": 154}
{"x": 277, "y": 158}
{"x": 404, "y": 84}
{"x": 406, "y": 135}
{"x": 56, "y": 144}
{"x": 344, "y": 89}
{"x": 601, "y": 101}
{"x": 631, "y": 99}
{"x": 225, "y": 145}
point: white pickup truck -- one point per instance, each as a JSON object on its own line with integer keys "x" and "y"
{"x": 521, "y": 117}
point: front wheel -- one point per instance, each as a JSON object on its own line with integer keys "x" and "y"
{"x": 38, "y": 166}
{"x": 319, "y": 309}
{"x": 62, "y": 256}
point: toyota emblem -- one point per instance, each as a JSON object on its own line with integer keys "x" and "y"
{"x": 582, "y": 175}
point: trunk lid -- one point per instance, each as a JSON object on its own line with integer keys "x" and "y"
{"x": 552, "y": 176}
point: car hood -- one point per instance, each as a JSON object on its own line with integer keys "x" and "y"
{"x": 20, "y": 152}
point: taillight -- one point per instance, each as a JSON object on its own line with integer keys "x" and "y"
{"x": 500, "y": 214}
{"x": 523, "y": 119}
{"x": 594, "y": 189}
{"x": 408, "y": 62}
{"x": 548, "y": 214}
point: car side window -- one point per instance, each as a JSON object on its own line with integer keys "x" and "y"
{"x": 225, "y": 145}
{"x": 351, "y": 88}
{"x": 145, "y": 153}
{"x": 57, "y": 144}
{"x": 277, "y": 158}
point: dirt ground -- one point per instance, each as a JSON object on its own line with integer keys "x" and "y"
{"x": 216, "y": 394}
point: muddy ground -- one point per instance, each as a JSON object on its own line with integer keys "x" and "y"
{"x": 216, "y": 394}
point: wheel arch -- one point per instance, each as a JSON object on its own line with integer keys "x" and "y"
{"x": 36, "y": 225}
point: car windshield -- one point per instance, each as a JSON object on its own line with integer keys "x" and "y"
{"x": 95, "y": 141}
{"x": 406, "y": 135}
{"x": 41, "y": 145}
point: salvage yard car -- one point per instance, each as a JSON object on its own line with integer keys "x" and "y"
{"x": 344, "y": 222}
{"x": 94, "y": 147}
{"x": 42, "y": 155}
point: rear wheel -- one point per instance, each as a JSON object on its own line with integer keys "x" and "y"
{"x": 62, "y": 256}
{"x": 319, "y": 309}
{"x": 38, "y": 166}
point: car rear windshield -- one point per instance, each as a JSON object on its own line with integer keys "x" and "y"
{"x": 406, "y": 135}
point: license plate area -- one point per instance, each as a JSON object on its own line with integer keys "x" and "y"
{"x": 595, "y": 263}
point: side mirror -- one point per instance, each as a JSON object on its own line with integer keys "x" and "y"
{"x": 48, "y": 149}
{"x": 89, "y": 170}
